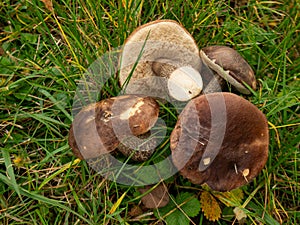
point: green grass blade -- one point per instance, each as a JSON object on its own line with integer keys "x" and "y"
{"x": 10, "y": 171}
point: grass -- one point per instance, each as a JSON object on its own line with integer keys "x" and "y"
{"x": 44, "y": 53}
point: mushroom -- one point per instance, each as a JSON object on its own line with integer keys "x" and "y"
{"x": 229, "y": 65}
{"x": 138, "y": 148}
{"x": 101, "y": 127}
{"x": 220, "y": 139}
{"x": 161, "y": 59}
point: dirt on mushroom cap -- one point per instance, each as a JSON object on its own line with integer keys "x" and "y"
{"x": 98, "y": 128}
{"x": 244, "y": 149}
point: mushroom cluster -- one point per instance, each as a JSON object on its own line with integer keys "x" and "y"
{"x": 220, "y": 138}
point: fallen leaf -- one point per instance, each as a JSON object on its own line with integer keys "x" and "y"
{"x": 210, "y": 206}
{"x": 117, "y": 204}
{"x": 239, "y": 214}
{"x": 157, "y": 198}
{"x": 2, "y": 52}
{"x": 135, "y": 211}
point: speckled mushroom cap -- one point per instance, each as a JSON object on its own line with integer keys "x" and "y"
{"x": 99, "y": 127}
{"x": 224, "y": 160}
{"x": 151, "y": 52}
{"x": 230, "y": 65}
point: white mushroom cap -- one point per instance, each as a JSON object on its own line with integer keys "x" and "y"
{"x": 158, "y": 41}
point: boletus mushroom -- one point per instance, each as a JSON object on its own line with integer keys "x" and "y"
{"x": 161, "y": 59}
{"x": 101, "y": 127}
{"x": 220, "y": 139}
{"x": 230, "y": 67}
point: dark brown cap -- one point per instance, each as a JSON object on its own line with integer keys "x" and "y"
{"x": 230, "y": 65}
{"x": 220, "y": 139}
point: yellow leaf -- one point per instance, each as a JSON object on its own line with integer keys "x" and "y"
{"x": 116, "y": 205}
{"x": 230, "y": 198}
{"x": 18, "y": 160}
{"x": 210, "y": 206}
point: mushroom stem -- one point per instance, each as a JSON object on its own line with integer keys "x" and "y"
{"x": 139, "y": 148}
{"x": 184, "y": 82}
{"x": 216, "y": 84}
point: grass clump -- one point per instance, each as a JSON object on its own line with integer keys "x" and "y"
{"x": 46, "y": 50}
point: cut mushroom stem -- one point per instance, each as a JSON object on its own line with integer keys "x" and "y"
{"x": 184, "y": 82}
{"x": 230, "y": 66}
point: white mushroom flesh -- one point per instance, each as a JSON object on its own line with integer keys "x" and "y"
{"x": 185, "y": 83}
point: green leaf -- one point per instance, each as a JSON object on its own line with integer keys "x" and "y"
{"x": 10, "y": 171}
{"x": 31, "y": 38}
{"x": 179, "y": 210}
{"x": 191, "y": 205}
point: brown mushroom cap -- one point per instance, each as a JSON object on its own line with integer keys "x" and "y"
{"x": 99, "y": 128}
{"x": 230, "y": 65}
{"x": 154, "y": 51}
{"x": 242, "y": 152}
